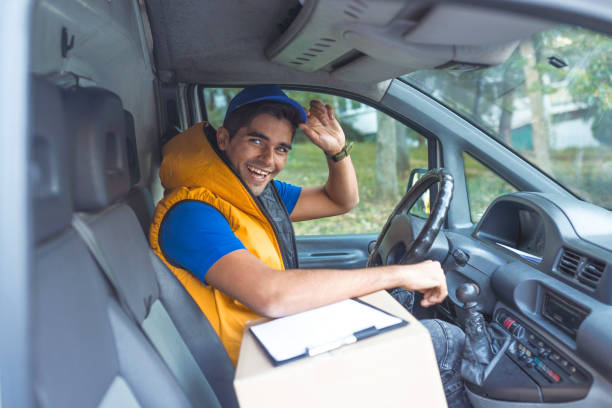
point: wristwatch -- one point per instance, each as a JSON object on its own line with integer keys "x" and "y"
{"x": 342, "y": 153}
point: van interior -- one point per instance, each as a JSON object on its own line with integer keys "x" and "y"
{"x": 91, "y": 91}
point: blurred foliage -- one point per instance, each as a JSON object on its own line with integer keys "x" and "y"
{"x": 588, "y": 77}
{"x": 483, "y": 186}
{"x": 307, "y": 166}
{"x": 217, "y": 100}
{"x": 574, "y": 79}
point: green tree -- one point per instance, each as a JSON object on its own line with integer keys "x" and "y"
{"x": 217, "y": 101}
{"x": 588, "y": 77}
{"x": 539, "y": 125}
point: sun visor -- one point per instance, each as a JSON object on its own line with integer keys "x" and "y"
{"x": 363, "y": 41}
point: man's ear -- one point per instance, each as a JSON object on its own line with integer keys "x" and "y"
{"x": 223, "y": 138}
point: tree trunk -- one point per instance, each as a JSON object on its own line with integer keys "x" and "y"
{"x": 477, "y": 98}
{"x": 386, "y": 157}
{"x": 228, "y": 95}
{"x": 402, "y": 151}
{"x": 538, "y": 123}
{"x": 507, "y": 107}
{"x": 505, "y": 121}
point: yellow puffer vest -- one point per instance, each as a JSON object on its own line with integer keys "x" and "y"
{"x": 192, "y": 170}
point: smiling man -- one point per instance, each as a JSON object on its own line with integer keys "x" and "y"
{"x": 224, "y": 225}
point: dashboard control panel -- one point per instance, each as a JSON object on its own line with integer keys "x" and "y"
{"x": 557, "y": 376}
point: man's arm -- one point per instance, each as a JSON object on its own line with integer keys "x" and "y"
{"x": 275, "y": 293}
{"x": 340, "y": 193}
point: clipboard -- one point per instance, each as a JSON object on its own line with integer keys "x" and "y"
{"x": 322, "y": 329}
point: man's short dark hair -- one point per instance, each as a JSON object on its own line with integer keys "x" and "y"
{"x": 243, "y": 116}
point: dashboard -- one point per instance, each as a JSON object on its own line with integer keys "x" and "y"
{"x": 522, "y": 231}
{"x": 543, "y": 231}
{"x": 545, "y": 280}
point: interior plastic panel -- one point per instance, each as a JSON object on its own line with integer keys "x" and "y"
{"x": 333, "y": 251}
{"x": 507, "y": 382}
{"x": 360, "y": 43}
{"x": 591, "y": 223}
{"x": 352, "y": 250}
{"x": 498, "y": 225}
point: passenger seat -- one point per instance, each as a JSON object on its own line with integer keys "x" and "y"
{"x": 150, "y": 293}
{"x": 86, "y": 352}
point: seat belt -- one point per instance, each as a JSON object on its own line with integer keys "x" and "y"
{"x": 170, "y": 346}
{"x": 88, "y": 238}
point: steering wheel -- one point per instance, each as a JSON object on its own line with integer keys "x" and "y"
{"x": 396, "y": 243}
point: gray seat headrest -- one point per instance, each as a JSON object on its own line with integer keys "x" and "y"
{"x": 96, "y": 124}
{"x": 48, "y": 171}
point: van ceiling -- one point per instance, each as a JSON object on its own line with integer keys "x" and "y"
{"x": 224, "y": 42}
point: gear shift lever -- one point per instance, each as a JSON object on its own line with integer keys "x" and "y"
{"x": 475, "y": 326}
{"x": 467, "y": 294}
{"x": 477, "y": 353}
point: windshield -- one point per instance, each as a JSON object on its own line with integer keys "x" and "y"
{"x": 551, "y": 102}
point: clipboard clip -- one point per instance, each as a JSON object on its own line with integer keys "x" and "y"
{"x": 332, "y": 345}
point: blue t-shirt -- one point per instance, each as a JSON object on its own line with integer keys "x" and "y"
{"x": 195, "y": 235}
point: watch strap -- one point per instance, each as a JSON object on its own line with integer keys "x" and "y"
{"x": 342, "y": 153}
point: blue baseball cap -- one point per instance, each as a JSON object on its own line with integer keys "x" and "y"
{"x": 258, "y": 93}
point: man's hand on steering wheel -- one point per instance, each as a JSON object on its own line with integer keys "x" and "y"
{"x": 428, "y": 278}
{"x": 399, "y": 243}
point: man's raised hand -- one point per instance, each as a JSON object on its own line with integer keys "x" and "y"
{"x": 323, "y": 129}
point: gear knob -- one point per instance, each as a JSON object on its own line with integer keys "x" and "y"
{"x": 477, "y": 353}
{"x": 467, "y": 293}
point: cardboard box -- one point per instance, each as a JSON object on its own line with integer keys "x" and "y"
{"x": 393, "y": 369}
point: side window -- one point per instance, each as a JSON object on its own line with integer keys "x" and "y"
{"x": 217, "y": 100}
{"x": 483, "y": 186}
{"x": 384, "y": 153}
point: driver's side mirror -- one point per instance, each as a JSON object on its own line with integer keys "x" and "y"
{"x": 415, "y": 175}
{"x": 422, "y": 207}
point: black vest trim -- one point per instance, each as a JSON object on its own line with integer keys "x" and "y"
{"x": 276, "y": 212}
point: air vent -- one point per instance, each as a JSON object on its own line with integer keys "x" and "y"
{"x": 591, "y": 273}
{"x": 568, "y": 263}
{"x": 317, "y": 48}
{"x": 578, "y": 267}
{"x": 314, "y": 39}
{"x": 355, "y": 9}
